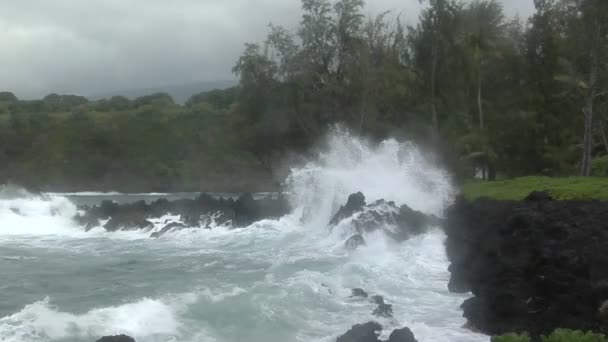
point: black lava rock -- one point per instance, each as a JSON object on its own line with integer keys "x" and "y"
{"x": 117, "y": 338}
{"x": 370, "y": 331}
{"x": 379, "y": 215}
{"x": 402, "y": 335}
{"x": 367, "y": 332}
{"x": 532, "y": 265}
{"x": 359, "y": 293}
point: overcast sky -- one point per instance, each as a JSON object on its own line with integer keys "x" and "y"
{"x": 97, "y": 46}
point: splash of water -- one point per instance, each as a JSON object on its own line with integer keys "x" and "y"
{"x": 392, "y": 170}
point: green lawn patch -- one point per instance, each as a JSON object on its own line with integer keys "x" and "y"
{"x": 560, "y": 188}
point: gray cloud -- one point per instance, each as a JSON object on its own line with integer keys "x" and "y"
{"x": 95, "y": 46}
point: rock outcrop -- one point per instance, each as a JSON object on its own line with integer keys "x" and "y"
{"x": 370, "y": 331}
{"x": 194, "y": 213}
{"x": 400, "y": 223}
{"x": 532, "y": 265}
{"x": 117, "y": 338}
{"x": 383, "y": 309}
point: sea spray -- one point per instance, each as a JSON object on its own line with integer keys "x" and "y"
{"x": 391, "y": 170}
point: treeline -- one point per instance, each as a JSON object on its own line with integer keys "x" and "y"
{"x": 68, "y": 143}
{"x": 490, "y": 93}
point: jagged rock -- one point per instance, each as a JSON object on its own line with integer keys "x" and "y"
{"x": 405, "y": 221}
{"x": 359, "y": 293}
{"x": 354, "y": 242}
{"x": 532, "y": 265}
{"x": 355, "y": 203}
{"x": 370, "y": 331}
{"x": 382, "y": 310}
{"x": 402, "y": 335}
{"x": 367, "y": 332}
{"x": 117, "y": 338}
{"x": 193, "y": 212}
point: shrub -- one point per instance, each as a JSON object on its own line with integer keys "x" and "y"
{"x": 559, "y": 335}
{"x": 599, "y": 166}
{"x": 565, "y": 335}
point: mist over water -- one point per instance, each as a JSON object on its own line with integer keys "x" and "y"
{"x": 277, "y": 280}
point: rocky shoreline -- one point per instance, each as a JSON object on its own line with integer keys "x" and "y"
{"x": 532, "y": 266}
{"x": 203, "y": 212}
{"x": 355, "y": 215}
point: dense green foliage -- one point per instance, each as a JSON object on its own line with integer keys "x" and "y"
{"x": 146, "y": 144}
{"x": 599, "y": 167}
{"x": 568, "y": 188}
{"x": 490, "y": 94}
{"x": 560, "y": 335}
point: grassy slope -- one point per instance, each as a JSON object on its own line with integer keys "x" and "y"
{"x": 559, "y": 188}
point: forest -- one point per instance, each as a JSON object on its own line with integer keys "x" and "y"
{"x": 493, "y": 96}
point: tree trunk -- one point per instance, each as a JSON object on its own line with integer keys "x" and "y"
{"x": 587, "y": 138}
{"x": 590, "y": 98}
{"x": 434, "y": 115}
{"x": 603, "y": 133}
{"x": 480, "y": 99}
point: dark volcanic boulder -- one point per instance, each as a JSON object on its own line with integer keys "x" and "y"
{"x": 367, "y": 332}
{"x": 359, "y": 293}
{"x": 382, "y": 310}
{"x": 248, "y": 210}
{"x": 204, "y": 211}
{"x": 355, "y": 203}
{"x": 532, "y": 265}
{"x": 118, "y": 338}
{"x": 370, "y": 331}
{"x": 400, "y": 223}
{"x": 402, "y": 335}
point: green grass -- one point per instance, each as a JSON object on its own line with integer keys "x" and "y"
{"x": 560, "y": 188}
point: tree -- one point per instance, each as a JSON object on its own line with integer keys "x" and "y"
{"x": 583, "y": 69}
{"x": 594, "y": 17}
{"x": 435, "y": 35}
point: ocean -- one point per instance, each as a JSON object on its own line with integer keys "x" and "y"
{"x": 280, "y": 280}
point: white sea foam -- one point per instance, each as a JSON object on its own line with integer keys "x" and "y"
{"x": 148, "y": 319}
{"x": 22, "y": 213}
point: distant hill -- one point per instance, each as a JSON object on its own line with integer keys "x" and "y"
{"x": 180, "y": 93}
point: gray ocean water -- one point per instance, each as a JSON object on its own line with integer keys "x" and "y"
{"x": 277, "y": 280}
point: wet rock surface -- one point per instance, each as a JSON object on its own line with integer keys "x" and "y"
{"x": 400, "y": 223}
{"x": 370, "y": 331}
{"x": 194, "y": 213}
{"x": 383, "y": 309}
{"x": 117, "y": 338}
{"x": 532, "y": 265}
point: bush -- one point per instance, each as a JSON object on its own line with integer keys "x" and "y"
{"x": 599, "y": 167}
{"x": 565, "y": 335}
{"x": 559, "y": 335}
